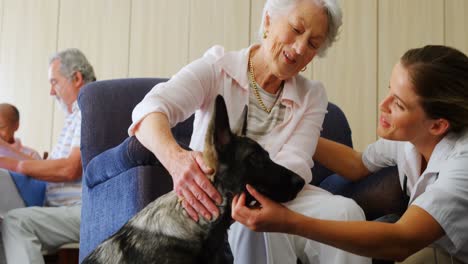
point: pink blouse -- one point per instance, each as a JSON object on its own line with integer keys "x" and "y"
{"x": 194, "y": 88}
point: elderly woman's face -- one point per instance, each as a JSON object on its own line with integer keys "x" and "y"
{"x": 293, "y": 39}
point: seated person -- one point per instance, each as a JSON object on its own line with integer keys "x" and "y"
{"x": 10, "y": 146}
{"x": 27, "y": 231}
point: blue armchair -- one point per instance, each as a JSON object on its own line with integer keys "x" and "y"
{"x": 108, "y": 202}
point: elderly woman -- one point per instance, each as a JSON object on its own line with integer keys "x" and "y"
{"x": 424, "y": 130}
{"x": 286, "y": 112}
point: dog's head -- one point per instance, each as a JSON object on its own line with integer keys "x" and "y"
{"x": 240, "y": 160}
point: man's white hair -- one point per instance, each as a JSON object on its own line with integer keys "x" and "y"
{"x": 73, "y": 60}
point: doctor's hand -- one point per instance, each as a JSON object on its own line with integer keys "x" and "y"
{"x": 269, "y": 217}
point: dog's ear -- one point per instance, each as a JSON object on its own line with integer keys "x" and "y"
{"x": 222, "y": 132}
{"x": 241, "y": 125}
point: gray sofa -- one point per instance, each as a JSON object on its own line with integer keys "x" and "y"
{"x": 110, "y": 199}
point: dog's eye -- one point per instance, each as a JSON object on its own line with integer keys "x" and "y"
{"x": 256, "y": 159}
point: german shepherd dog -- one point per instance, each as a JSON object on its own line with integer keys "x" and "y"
{"x": 163, "y": 233}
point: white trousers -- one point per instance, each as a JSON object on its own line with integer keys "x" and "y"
{"x": 430, "y": 255}
{"x": 249, "y": 247}
{"x": 27, "y": 231}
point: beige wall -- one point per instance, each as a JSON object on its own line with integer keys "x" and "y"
{"x": 148, "y": 38}
{"x": 28, "y": 36}
{"x": 349, "y": 71}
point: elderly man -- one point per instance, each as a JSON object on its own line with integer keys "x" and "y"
{"x": 26, "y": 231}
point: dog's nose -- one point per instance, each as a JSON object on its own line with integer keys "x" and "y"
{"x": 298, "y": 183}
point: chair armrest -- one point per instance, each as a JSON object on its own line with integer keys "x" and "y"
{"x": 109, "y": 205}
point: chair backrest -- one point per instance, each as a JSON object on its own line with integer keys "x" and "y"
{"x": 335, "y": 127}
{"x": 106, "y": 108}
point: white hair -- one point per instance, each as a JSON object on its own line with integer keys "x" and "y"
{"x": 73, "y": 60}
{"x": 283, "y": 7}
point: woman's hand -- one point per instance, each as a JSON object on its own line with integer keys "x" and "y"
{"x": 187, "y": 168}
{"x": 197, "y": 193}
{"x": 269, "y": 217}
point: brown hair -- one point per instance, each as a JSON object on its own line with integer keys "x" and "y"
{"x": 440, "y": 78}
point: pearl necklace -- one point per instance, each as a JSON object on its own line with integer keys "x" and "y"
{"x": 256, "y": 92}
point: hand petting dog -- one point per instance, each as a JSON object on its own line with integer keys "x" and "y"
{"x": 195, "y": 191}
{"x": 268, "y": 216}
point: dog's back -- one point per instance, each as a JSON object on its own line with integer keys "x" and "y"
{"x": 160, "y": 233}
{"x": 163, "y": 232}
